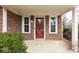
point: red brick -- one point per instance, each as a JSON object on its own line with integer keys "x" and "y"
{"x": 53, "y": 36}
{"x": 14, "y": 22}
{"x": 15, "y": 25}
{"x": 1, "y": 19}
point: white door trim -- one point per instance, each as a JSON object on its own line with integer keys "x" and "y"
{"x": 35, "y": 27}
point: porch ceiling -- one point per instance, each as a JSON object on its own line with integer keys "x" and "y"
{"x": 39, "y": 9}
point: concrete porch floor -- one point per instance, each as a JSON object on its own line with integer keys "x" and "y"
{"x": 46, "y": 46}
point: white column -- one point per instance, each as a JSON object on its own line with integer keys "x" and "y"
{"x": 75, "y": 29}
{"x": 4, "y": 28}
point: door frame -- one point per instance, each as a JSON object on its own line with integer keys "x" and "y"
{"x": 35, "y": 28}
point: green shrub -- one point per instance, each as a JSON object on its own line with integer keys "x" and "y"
{"x": 67, "y": 34}
{"x": 65, "y": 30}
{"x": 12, "y": 43}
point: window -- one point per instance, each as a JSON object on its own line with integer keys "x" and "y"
{"x": 52, "y": 25}
{"x": 26, "y": 25}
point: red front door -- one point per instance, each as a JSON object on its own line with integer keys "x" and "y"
{"x": 39, "y": 27}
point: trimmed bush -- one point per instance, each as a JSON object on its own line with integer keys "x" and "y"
{"x": 12, "y": 43}
{"x": 65, "y": 30}
{"x": 67, "y": 34}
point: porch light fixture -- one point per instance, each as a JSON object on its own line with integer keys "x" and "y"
{"x": 32, "y": 18}
{"x": 31, "y": 21}
{"x": 39, "y": 20}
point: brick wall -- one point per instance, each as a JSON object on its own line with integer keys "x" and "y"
{"x": 15, "y": 25}
{"x": 14, "y": 22}
{"x": 57, "y": 36}
{"x": 1, "y": 19}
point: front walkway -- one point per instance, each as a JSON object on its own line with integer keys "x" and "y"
{"x": 46, "y": 46}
